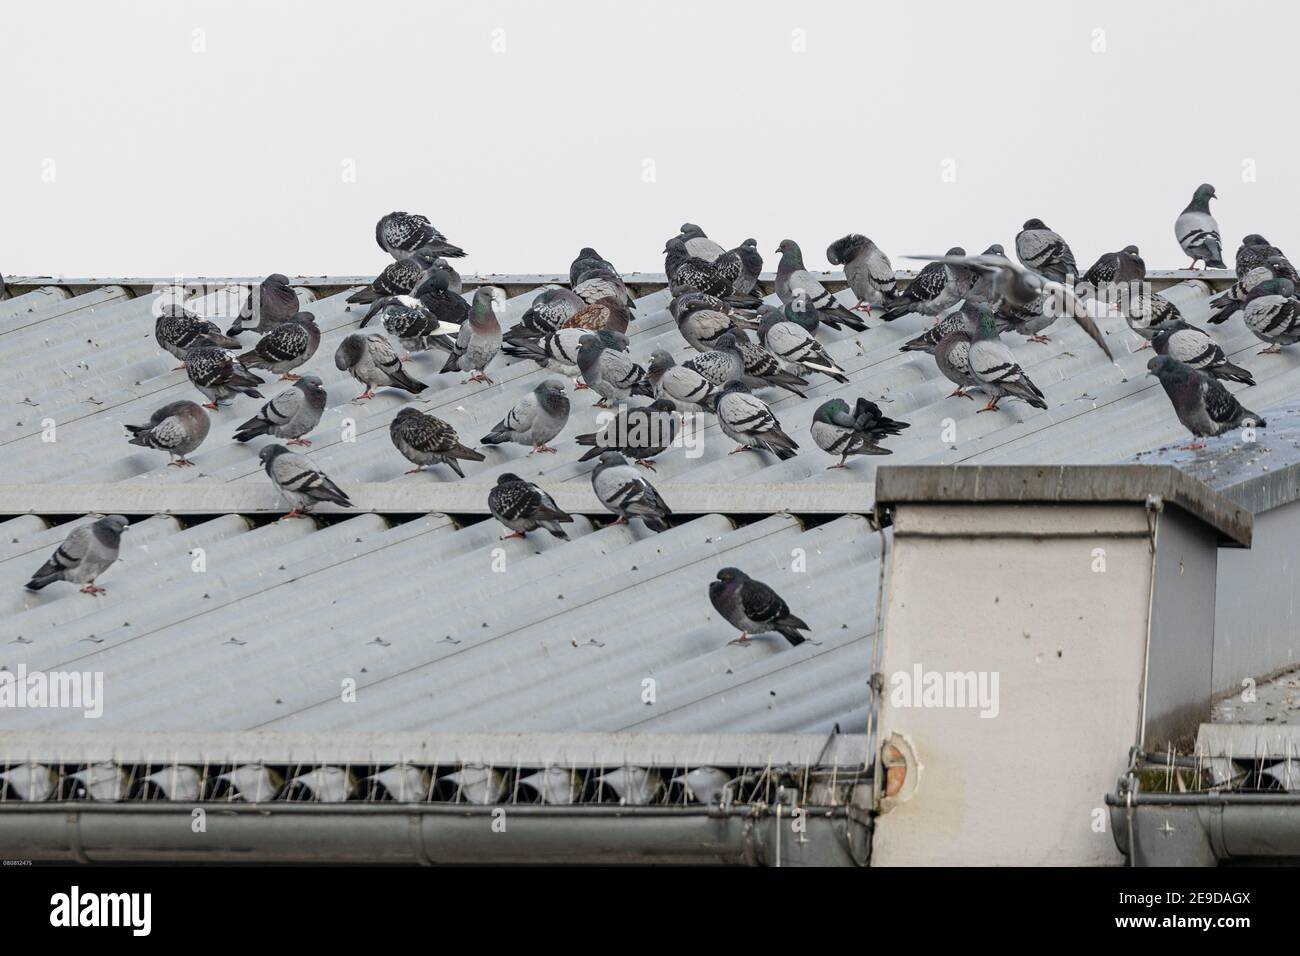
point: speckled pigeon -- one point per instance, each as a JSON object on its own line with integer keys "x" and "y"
{"x": 641, "y": 433}
{"x": 701, "y": 319}
{"x": 177, "y": 329}
{"x": 1272, "y": 313}
{"x": 523, "y": 507}
{"x": 626, "y": 493}
{"x": 415, "y": 327}
{"x": 301, "y": 484}
{"x": 962, "y": 320}
{"x": 536, "y": 419}
{"x": 689, "y": 274}
{"x": 1201, "y": 402}
{"x": 83, "y": 556}
{"x": 606, "y": 313}
{"x": 935, "y": 289}
{"x": 720, "y": 365}
{"x": 428, "y": 440}
{"x": 845, "y": 431}
{"x": 401, "y": 233}
{"x": 753, "y": 608}
{"x": 217, "y": 375}
{"x": 1146, "y": 312}
{"x": 398, "y": 278}
{"x": 287, "y": 346}
{"x": 290, "y": 415}
{"x": 1254, "y": 251}
{"x": 1113, "y": 268}
{"x": 587, "y": 261}
{"x": 608, "y": 370}
{"x": 1198, "y": 233}
{"x": 751, "y": 267}
{"x": 177, "y": 428}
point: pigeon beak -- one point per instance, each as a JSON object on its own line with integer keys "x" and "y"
{"x": 234, "y": 330}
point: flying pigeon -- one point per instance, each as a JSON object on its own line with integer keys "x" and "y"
{"x": 1114, "y": 268}
{"x": 995, "y": 368}
{"x": 398, "y": 278}
{"x": 265, "y": 307}
{"x": 415, "y": 327}
{"x": 523, "y": 507}
{"x": 479, "y": 339}
{"x": 177, "y": 329}
{"x": 298, "y": 482}
{"x": 641, "y": 433}
{"x": 83, "y": 556}
{"x": 843, "y": 431}
{"x": 537, "y": 418}
{"x": 753, "y": 607}
{"x": 1198, "y": 233}
{"x": 623, "y": 491}
{"x": 748, "y": 420}
{"x": 687, "y": 389}
{"x": 177, "y": 428}
{"x": 1254, "y": 251}
{"x": 791, "y": 276}
{"x": 986, "y": 286}
{"x": 794, "y": 344}
{"x": 701, "y": 319}
{"x": 698, "y": 244}
{"x": 290, "y": 415}
{"x": 720, "y": 365}
{"x": 1196, "y": 348}
{"x": 867, "y": 269}
{"x": 1272, "y": 312}
{"x": 606, "y": 313}
{"x": 217, "y": 375}
{"x": 1044, "y": 251}
{"x": 763, "y": 369}
{"x": 952, "y": 355}
{"x": 936, "y": 288}
{"x": 285, "y": 347}
{"x": 1201, "y": 402}
{"x": 372, "y": 361}
{"x": 401, "y": 233}
{"x": 608, "y": 370}
{"x": 428, "y": 440}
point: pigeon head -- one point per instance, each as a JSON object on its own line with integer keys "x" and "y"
{"x": 676, "y": 246}
{"x": 488, "y": 299}
{"x": 955, "y": 251}
{"x": 996, "y": 250}
{"x": 549, "y": 389}
{"x": 789, "y": 249}
{"x": 692, "y": 231}
{"x": 1254, "y": 239}
{"x": 829, "y": 410}
{"x": 612, "y": 340}
{"x": 660, "y": 362}
{"x": 662, "y": 405}
{"x": 508, "y": 478}
{"x": 843, "y": 250}
{"x": 1168, "y": 369}
{"x": 1282, "y": 287}
{"x": 115, "y": 524}
{"x": 304, "y": 318}
{"x": 1130, "y": 250}
{"x": 986, "y": 326}
{"x": 271, "y": 452}
{"x": 732, "y": 576}
{"x": 407, "y": 413}
{"x": 725, "y": 342}
{"x": 751, "y": 244}
{"x": 586, "y": 252}
{"x": 734, "y": 385}
{"x": 611, "y": 458}
{"x": 310, "y": 383}
{"x": 349, "y": 351}
{"x": 589, "y": 345}
{"x": 277, "y": 279}
{"x": 433, "y": 282}
{"x": 1204, "y": 193}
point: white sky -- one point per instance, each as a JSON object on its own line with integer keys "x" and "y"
{"x": 230, "y": 160}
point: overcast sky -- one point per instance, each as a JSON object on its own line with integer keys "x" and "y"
{"x": 243, "y": 138}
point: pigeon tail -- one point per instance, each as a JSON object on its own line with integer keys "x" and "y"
{"x": 1233, "y": 373}
{"x": 399, "y": 379}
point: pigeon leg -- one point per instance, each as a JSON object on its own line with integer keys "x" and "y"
{"x": 743, "y": 640}
{"x": 290, "y": 377}
{"x": 517, "y": 534}
{"x": 212, "y": 405}
{"x": 479, "y": 377}
{"x": 960, "y": 392}
{"x": 601, "y": 404}
{"x": 863, "y": 307}
{"x": 298, "y": 441}
{"x": 181, "y": 367}
{"x": 579, "y": 386}
{"x": 1040, "y": 339}
{"x": 738, "y": 450}
{"x": 1271, "y": 350}
{"x": 646, "y": 463}
{"x": 543, "y": 447}
{"x": 992, "y": 406}
{"x": 93, "y": 589}
{"x": 1194, "y": 446}
{"x": 1144, "y": 346}
{"x": 619, "y": 520}
{"x": 364, "y": 395}
{"x": 413, "y": 471}
{"x": 181, "y": 463}
{"x": 295, "y": 513}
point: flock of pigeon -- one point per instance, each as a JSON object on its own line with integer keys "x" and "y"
{"x": 744, "y": 345}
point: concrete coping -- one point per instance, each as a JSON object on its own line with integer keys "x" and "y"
{"x": 1064, "y": 484}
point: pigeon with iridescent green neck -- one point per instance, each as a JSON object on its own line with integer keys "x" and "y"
{"x": 1200, "y": 401}
{"x": 1198, "y": 233}
{"x": 845, "y": 431}
{"x": 996, "y": 369}
{"x": 479, "y": 339}
{"x": 791, "y": 277}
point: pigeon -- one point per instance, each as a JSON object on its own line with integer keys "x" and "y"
{"x": 1254, "y": 251}
{"x": 372, "y": 361}
{"x": 290, "y": 415}
{"x": 794, "y": 344}
{"x": 765, "y": 370}
{"x": 589, "y": 261}
{"x": 594, "y": 286}
{"x": 1146, "y": 312}
{"x": 177, "y": 428}
{"x": 995, "y": 368}
{"x": 867, "y": 269}
{"x": 952, "y": 355}
{"x": 748, "y": 420}
{"x": 753, "y": 607}
{"x": 843, "y": 431}
{"x": 428, "y": 440}
{"x": 623, "y": 491}
{"x": 641, "y": 433}
{"x": 791, "y": 276}
{"x": 1114, "y": 268}
{"x": 401, "y": 233}
{"x": 698, "y": 244}
{"x": 83, "y": 556}
{"x": 720, "y": 365}
{"x": 1272, "y": 313}
{"x": 285, "y": 347}
{"x": 298, "y": 482}
{"x": 550, "y": 309}
{"x": 1044, "y": 251}
{"x": 606, "y": 313}
{"x": 608, "y": 370}
{"x": 415, "y": 327}
{"x": 687, "y": 389}
{"x": 963, "y": 320}
{"x": 177, "y": 329}
{"x": 701, "y": 319}
{"x": 273, "y": 302}
{"x": 537, "y": 418}
{"x": 523, "y": 507}
{"x": 479, "y": 339}
{"x": 437, "y": 292}
{"x": 557, "y": 350}
{"x": 1228, "y": 303}
{"x": 751, "y": 267}
{"x": 1201, "y": 402}
{"x": 1194, "y": 347}
{"x": 686, "y": 273}
{"x": 398, "y": 278}
{"x": 217, "y": 375}
{"x": 1198, "y": 233}
{"x": 935, "y": 289}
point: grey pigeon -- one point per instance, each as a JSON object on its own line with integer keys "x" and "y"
{"x": 608, "y": 370}
{"x": 935, "y": 289}
{"x": 748, "y": 420}
{"x": 1044, "y": 251}
{"x": 751, "y": 267}
{"x": 595, "y": 286}
{"x": 177, "y": 428}
{"x": 1196, "y": 348}
{"x": 1254, "y": 251}
{"x": 868, "y": 270}
{"x": 589, "y": 261}
{"x": 479, "y": 339}
{"x": 1146, "y": 312}
{"x": 701, "y": 319}
{"x": 1272, "y": 313}
{"x": 84, "y": 555}
{"x": 720, "y": 365}
{"x": 793, "y": 343}
{"x": 687, "y": 389}
{"x": 1113, "y": 268}
{"x": 952, "y": 355}
{"x": 217, "y": 375}
{"x": 398, "y": 278}
{"x": 550, "y": 309}
{"x": 290, "y": 415}
{"x": 753, "y": 608}
{"x": 686, "y": 273}
{"x": 791, "y": 276}
{"x": 401, "y": 233}
{"x": 641, "y": 433}
{"x": 623, "y": 491}
{"x": 287, "y": 346}
{"x": 415, "y": 327}
{"x": 857, "y": 431}
{"x": 765, "y": 370}
{"x": 605, "y": 313}
{"x": 372, "y": 361}
{"x": 302, "y": 485}
{"x": 1201, "y": 402}
{"x": 537, "y": 418}
{"x": 557, "y": 350}
{"x": 523, "y": 507}
{"x": 177, "y": 329}
{"x": 698, "y": 244}
{"x": 265, "y": 307}
{"x": 428, "y": 440}
{"x": 1198, "y": 233}
{"x": 1228, "y": 303}
{"x": 995, "y": 368}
